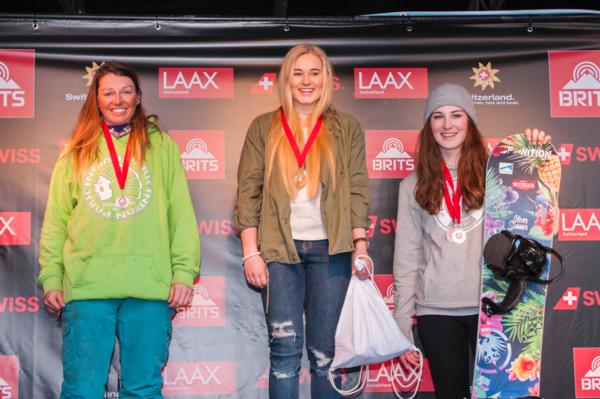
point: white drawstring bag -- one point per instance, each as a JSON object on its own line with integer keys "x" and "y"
{"x": 366, "y": 333}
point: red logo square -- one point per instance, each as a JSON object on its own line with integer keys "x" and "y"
{"x": 586, "y": 366}
{"x": 15, "y": 228}
{"x": 195, "y": 82}
{"x": 199, "y": 378}
{"x": 208, "y": 305}
{"x": 9, "y": 377}
{"x": 391, "y": 154}
{"x": 390, "y": 83}
{"x": 574, "y": 83}
{"x": 17, "y": 83}
{"x": 202, "y": 153}
{"x": 579, "y": 225}
{"x": 385, "y": 283}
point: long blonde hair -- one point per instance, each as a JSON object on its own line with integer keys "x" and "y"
{"x": 83, "y": 145}
{"x": 278, "y": 147}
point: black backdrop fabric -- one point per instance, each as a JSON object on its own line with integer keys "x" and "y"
{"x": 207, "y": 79}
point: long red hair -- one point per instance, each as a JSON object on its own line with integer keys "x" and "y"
{"x": 83, "y": 145}
{"x": 429, "y": 190}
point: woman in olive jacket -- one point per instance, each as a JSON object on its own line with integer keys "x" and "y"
{"x": 302, "y": 210}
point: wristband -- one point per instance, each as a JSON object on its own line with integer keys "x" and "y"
{"x": 245, "y": 258}
{"x": 360, "y": 239}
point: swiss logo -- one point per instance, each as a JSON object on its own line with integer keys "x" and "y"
{"x": 265, "y": 84}
{"x": 208, "y": 304}
{"x": 15, "y": 228}
{"x": 17, "y": 83}
{"x": 202, "y": 153}
{"x": 195, "y": 82}
{"x": 565, "y": 153}
{"x": 391, "y": 153}
{"x": 574, "y": 83}
{"x": 569, "y": 300}
{"x": 9, "y": 377}
{"x": 390, "y": 83}
{"x": 586, "y": 367}
{"x": 579, "y": 225}
{"x": 199, "y": 378}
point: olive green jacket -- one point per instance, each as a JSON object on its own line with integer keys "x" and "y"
{"x": 268, "y": 207}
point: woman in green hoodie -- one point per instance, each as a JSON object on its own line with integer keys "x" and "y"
{"x": 119, "y": 248}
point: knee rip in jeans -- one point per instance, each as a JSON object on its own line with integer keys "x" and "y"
{"x": 322, "y": 360}
{"x": 282, "y": 375}
{"x": 284, "y": 329}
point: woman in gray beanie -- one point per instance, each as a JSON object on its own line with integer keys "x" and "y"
{"x": 437, "y": 258}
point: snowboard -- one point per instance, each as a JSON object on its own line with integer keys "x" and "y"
{"x": 521, "y": 196}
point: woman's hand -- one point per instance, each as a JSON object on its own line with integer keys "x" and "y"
{"x": 54, "y": 301}
{"x": 536, "y": 136}
{"x": 360, "y": 252}
{"x": 256, "y": 272}
{"x": 180, "y": 295}
{"x": 410, "y": 359}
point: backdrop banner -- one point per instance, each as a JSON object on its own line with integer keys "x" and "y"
{"x": 207, "y": 79}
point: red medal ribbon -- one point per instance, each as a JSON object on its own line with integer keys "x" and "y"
{"x": 301, "y": 157}
{"x": 120, "y": 173}
{"x": 453, "y": 204}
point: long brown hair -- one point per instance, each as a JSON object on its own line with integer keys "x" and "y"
{"x": 83, "y": 145}
{"x": 278, "y": 147}
{"x": 429, "y": 190}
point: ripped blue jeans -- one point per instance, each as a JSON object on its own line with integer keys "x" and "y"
{"x": 315, "y": 288}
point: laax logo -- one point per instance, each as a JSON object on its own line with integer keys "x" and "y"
{"x": 208, "y": 305}
{"x": 574, "y": 83}
{"x": 195, "y": 82}
{"x": 15, "y": 228}
{"x": 390, "y": 83}
{"x": 202, "y": 153}
{"x": 19, "y": 304}
{"x": 17, "y": 82}
{"x": 385, "y": 284}
{"x": 391, "y": 153}
{"x": 9, "y": 377}
{"x": 380, "y": 377}
{"x": 567, "y": 152}
{"x": 586, "y": 367}
{"x": 485, "y": 76}
{"x": 579, "y": 225}
{"x": 199, "y": 378}
{"x": 20, "y": 155}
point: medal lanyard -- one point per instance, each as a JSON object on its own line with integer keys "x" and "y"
{"x": 452, "y": 203}
{"x": 120, "y": 173}
{"x": 301, "y": 156}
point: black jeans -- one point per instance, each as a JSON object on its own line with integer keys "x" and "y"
{"x": 449, "y": 342}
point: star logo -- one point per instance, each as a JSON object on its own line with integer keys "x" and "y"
{"x": 90, "y": 72}
{"x": 484, "y": 76}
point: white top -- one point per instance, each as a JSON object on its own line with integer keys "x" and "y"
{"x": 306, "y": 219}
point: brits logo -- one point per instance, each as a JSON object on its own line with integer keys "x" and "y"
{"x": 17, "y": 83}
{"x": 586, "y": 367}
{"x": 202, "y": 153}
{"x": 574, "y": 83}
{"x": 385, "y": 283}
{"x": 390, "y": 83}
{"x": 15, "y": 228}
{"x": 9, "y": 377}
{"x": 579, "y": 225}
{"x": 391, "y": 154}
{"x": 208, "y": 304}
{"x": 199, "y": 378}
{"x": 195, "y": 82}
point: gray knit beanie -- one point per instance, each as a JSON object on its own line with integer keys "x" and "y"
{"x": 449, "y": 94}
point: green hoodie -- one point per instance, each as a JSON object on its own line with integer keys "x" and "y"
{"x": 92, "y": 249}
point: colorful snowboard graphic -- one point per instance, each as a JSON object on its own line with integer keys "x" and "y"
{"x": 522, "y": 183}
